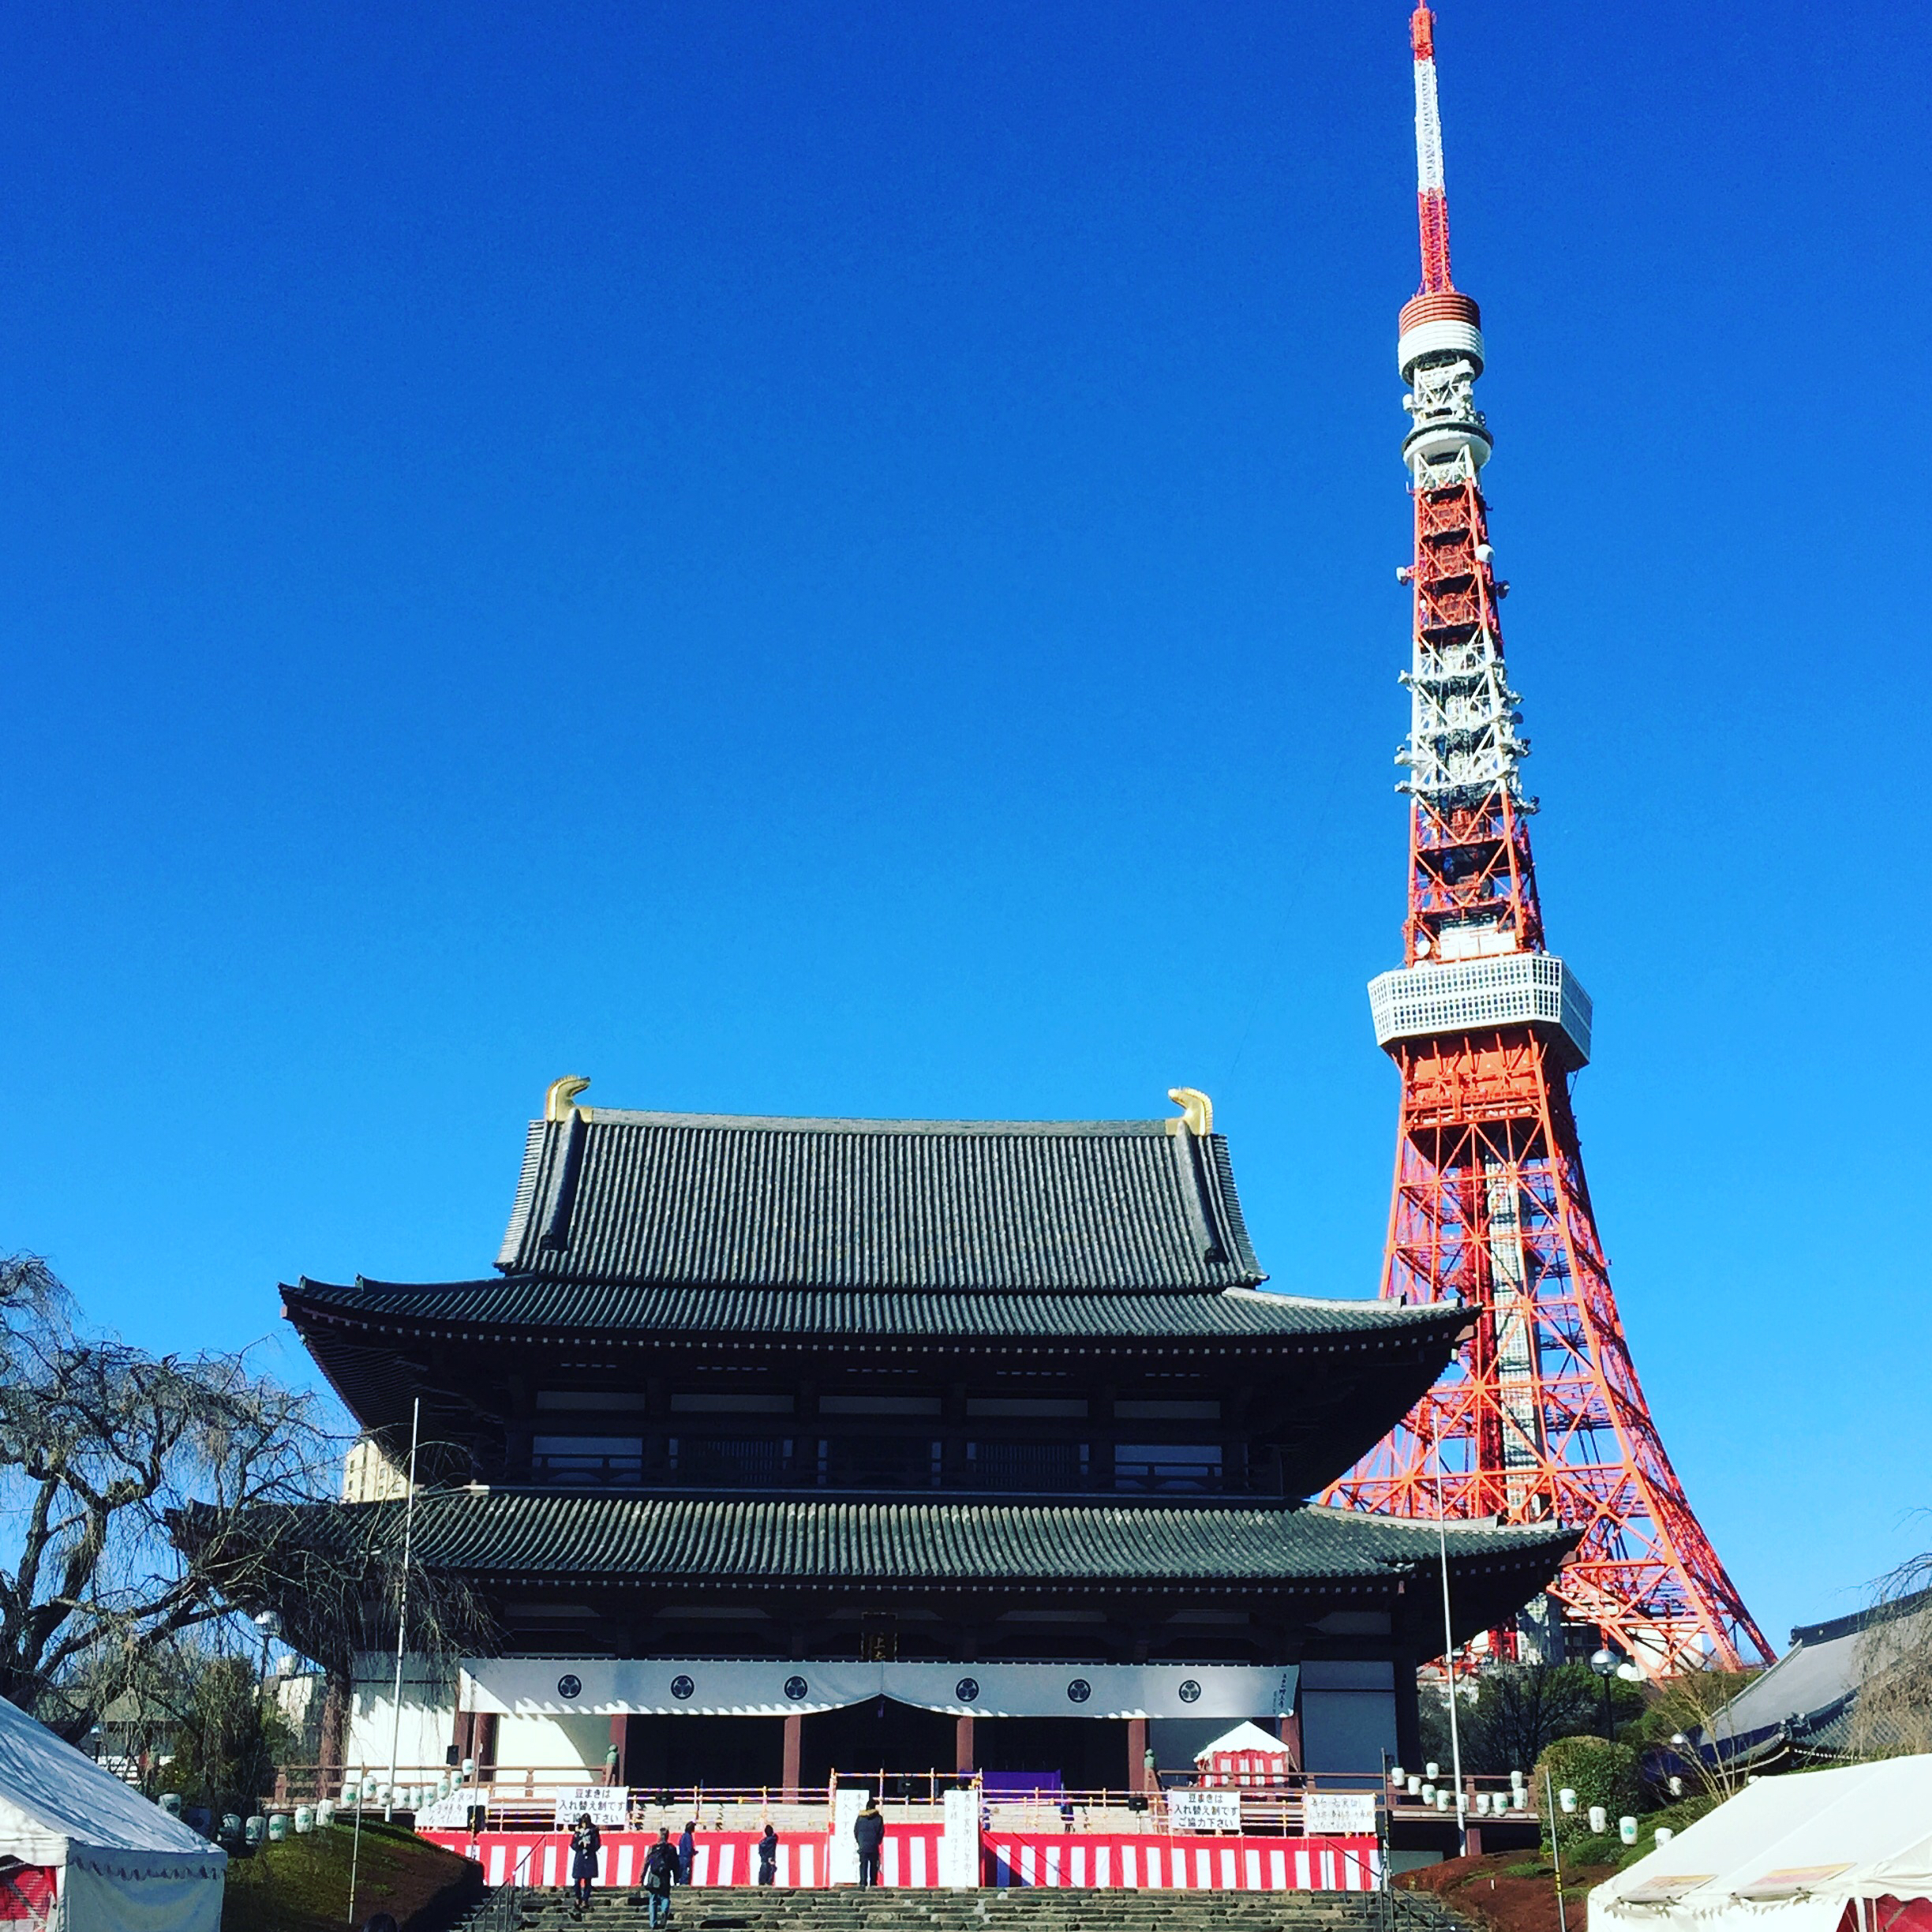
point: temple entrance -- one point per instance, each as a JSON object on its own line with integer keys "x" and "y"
{"x": 720, "y": 1752}
{"x": 737, "y": 1753}
{"x": 1089, "y": 1753}
{"x": 878, "y": 1735}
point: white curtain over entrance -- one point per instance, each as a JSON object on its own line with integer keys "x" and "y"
{"x": 555, "y": 1687}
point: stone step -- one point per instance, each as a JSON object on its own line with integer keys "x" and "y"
{"x": 1022, "y": 1909}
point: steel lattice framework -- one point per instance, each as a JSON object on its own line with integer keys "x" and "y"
{"x": 1542, "y": 1417}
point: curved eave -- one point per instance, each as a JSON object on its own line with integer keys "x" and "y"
{"x": 616, "y": 1551}
{"x": 781, "y": 1540}
{"x": 1359, "y": 1327}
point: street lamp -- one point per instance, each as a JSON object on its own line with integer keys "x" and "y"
{"x": 268, "y": 1623}
{"x": 1605, "y": 1665}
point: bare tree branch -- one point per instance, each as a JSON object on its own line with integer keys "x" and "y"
{"x": 101, "y": 1446}
{"x": 1892, "y": 1715}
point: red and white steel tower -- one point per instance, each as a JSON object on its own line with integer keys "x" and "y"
{"x": 1541, "y": 1417}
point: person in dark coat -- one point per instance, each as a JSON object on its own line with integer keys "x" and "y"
{"x": 585, "y": 1843}
{"x": 661, "y": 1869}
{"x": 869, "y": 1835}
{"x": 768, "y": 1856}
{"x": 687, "y": 1851}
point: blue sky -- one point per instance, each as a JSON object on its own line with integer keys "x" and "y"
{"x": 841, "y": 559}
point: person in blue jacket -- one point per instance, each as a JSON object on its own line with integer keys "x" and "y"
{"x": 869, "y": 1835}
{"x": 585, "y": 1841}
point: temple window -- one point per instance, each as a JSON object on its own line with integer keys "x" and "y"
{"x": 587, "y": 1458}
{"x": 1188, "y": 1467}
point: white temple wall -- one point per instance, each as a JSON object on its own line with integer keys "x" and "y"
{"x": 428, "y": 1713}
{"x": 572, "y": 1743}
{"x": 575, "y": 1741}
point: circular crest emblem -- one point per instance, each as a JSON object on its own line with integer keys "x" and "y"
{"x": 966, "y": 1690}
{"x": 1190, "y": 1690}
{"x": 795, "y": 1688}
{"x": 1079, "y": 1690}
{"x": 569, "y": 1686}
{"x": 682, "y": 1687}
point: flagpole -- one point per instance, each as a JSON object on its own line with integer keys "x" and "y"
{"x": 1455, "y": 1738}
{"x": 409, "y": 1525}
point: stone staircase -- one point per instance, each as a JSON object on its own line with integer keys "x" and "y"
{"x": 846, "y": 1909}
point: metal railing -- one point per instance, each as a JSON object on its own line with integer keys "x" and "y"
{"x": 521, "y": 1797}
{"x": 499, "y": 1911}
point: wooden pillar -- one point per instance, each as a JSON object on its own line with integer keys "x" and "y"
{"x": 622, "y": 1775}
{"x": 963, "y": 1757}
{"x": 335, "y": 1741}
{"x": 1291, "y": 1729}
{"x": 1137, "y": 1778}
{"x": 794, "y": 1752}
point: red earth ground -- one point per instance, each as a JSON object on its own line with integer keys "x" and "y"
{"x": 1497, "y": 1889}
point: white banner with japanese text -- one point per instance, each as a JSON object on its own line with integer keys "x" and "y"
{"x": 1203, "y": 1810}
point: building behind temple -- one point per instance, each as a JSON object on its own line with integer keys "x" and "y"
{"x": 773, "y": 1445}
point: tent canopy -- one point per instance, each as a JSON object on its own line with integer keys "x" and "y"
{"x": 1785, "y": 1854}
{"x": 1246, "y": 1736}
{"x": 127, "y": 1866}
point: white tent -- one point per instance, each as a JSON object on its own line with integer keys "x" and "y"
{"x": 1785, "y": 1855}
{"x": 122, "y": 1864}
{"x": 1246, "y": 1736}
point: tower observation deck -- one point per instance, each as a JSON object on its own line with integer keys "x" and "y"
{"x": 1541, "y": 1418}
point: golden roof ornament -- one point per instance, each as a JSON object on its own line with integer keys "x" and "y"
{"x": 561, "y": 1095}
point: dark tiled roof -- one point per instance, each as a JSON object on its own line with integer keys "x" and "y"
{"x": 710, "y": 1200}
{"x": 1858, "y": 1622}
{"x": 660, "y": 1313}
{"x": 1807, "y": 1699}
{"x": 508, "y": 1534}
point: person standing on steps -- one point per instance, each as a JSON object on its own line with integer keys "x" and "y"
{"x": 687, "y": 1851}
{"x": 768, "y": 1856}
{"x": 661, "y": 1865}
{"x": 869, "y": 1835}
{"x": 612, "y": 1758}
{"x": 585, "y": 1842}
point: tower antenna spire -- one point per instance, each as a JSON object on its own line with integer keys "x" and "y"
{"x": 1432, "y": 191}
{"x": 1541, "y": 1417}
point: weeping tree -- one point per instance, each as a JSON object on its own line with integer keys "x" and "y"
{"x": 335, "y": 1575}
{"x": 102, "y": 1447}
{"x": 1892, "y": 1715}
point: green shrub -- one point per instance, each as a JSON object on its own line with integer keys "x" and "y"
{"x": 230, "y": 1741}
{"x": 1600, "y": 1774}
{"x": 1591, "y": 1848}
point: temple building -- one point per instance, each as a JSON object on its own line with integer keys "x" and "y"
{"x": 773, "y": 1446}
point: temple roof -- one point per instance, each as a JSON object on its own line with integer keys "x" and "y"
{"x": 703, "y": 1536}
{"x": 749, "y": 1201}
{"x": 522, "y": 1538}
{"x": 747, "y": 1245}
{"x": 483, "y": 1309}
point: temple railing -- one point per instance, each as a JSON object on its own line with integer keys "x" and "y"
{"x": 524, "y": 1798}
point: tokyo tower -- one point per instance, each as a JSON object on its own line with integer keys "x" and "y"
{"x": 1541, "y": 1417}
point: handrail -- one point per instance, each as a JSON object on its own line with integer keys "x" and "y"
{"x": 498, "y": 1911}
{"x": 526, "y": 1792}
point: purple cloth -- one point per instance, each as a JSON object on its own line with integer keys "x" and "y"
{"x": 996, "y": 1785}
